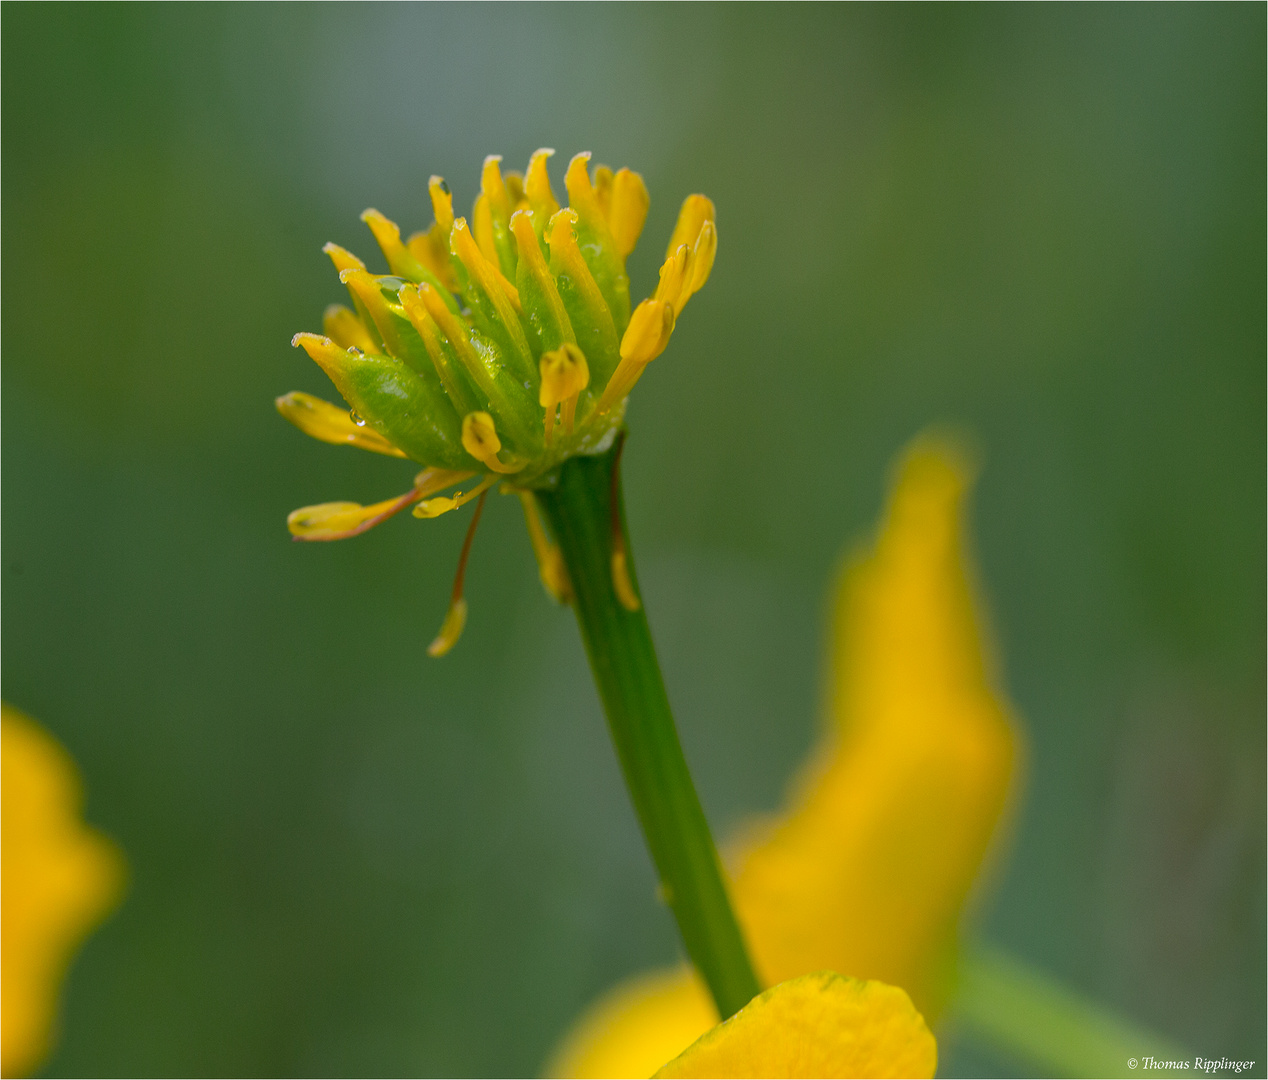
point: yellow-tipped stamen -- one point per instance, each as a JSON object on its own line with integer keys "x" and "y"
{"x": 442, "y": 504}
{"x": 482, "y": 228}
{"x": 480, "y": 440}
{"x": 322, "y": 351}
{"x": 432, "y": 480}
{"x": 340, "y": 520}
{"x": 456, "y": 617}
{"x": 706, "y": 249}
{"x": 696, "y": 210}
{"x": 441, "y": 203}
{"x": 455, "y": 331}
{"x": 645, "y": 339}
{"x": 431, "y": 248}
{"x": 628, "y": 210}
{"x": 493, "y": 188}
{"x": 418, "y": 315}
{"x": 346, "y": 330}
{"x": 565, "y": 258}
{"x": 485, "y": 272}
{"x": 387, "y": 233}
{"x": 581, "y": 196}
{"x": 331, "y": 424}
{"x": 365, "y": 287}
{"x": 534, "y": 262}
{"x": 564, "y": 375}
{"x": 343, "y": 258}
{"x": 537, "y": 188}
{"x": 622, "y": 584}
{"x": 674, "y": 286}
{"x": 602, "y": 184}
{"x": 550, "y": 560}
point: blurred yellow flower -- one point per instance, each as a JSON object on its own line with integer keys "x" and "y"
{"x": 869, "y": 870}
{"x": 58, "y": 879}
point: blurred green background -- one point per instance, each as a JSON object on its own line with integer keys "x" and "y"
{"x": 1044, "y": 225}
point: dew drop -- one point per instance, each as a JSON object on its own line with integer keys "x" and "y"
{"x": 356, "y": 418}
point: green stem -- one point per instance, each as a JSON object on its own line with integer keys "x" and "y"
{"x": 581, "y": 511}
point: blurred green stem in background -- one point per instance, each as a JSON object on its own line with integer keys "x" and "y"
{"x": 586, "y": 514}
{"x": 1029, "y": 1014}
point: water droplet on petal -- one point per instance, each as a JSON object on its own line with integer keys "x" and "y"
{"x": 356, "y": 418}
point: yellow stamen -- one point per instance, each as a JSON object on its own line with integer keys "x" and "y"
{"x": 340, "y": 520}
{"x": 645, "y": 339}
{"x": 388, "y": 235}
{"x": 442, "y": 504}
{"x": 537, "y": 187}
{"x": 331, "y": 424}
{"x": 441, "y": 202}
{"x": 675, "y": 279}
{"x": 622, "y": 585}
{"x": 431, "y": 248}
{"x": 534, "y": 262}
{"x": 432, "y": 480}
{"x": 550, "y": 560}
{"x": 365, "y": 286}
{"x": 480, "y": 440}
{"x": 603, "y": 189}
{"x": 705, "y": 250}
{"x": 482, "y": 227}
{"x": 581, "y": 196}
{"x": 325, "y": 353}
{"x": 485, "y": 271}
{"x": 343, "y": 258}
{"x": 628, "y": 210}
{"x": 422, "y": 321}
{"x": 696, "y": 210}
{"x": 493, "y": 188}
{"x": 564, "y": 375}
{"x": 346, "y": 330}
{"x": 566, "y": 258}
{"x": 456, "y": 617}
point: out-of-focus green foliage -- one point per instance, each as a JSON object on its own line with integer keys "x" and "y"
{"x": 1045, "y": 225}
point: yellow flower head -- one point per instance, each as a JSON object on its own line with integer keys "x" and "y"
{"x": 869, "y": 869}
{"x": 59, "y": 879}
{"x": 497, "y": 348}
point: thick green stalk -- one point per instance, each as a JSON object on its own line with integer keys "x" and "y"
{"x": 581, "y": 513}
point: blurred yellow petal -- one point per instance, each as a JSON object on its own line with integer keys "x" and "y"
{"x": 59, "y": 879}
{"x": 872, "y": 865}
{"x": 870, "y": 870}
{"x": 637, "y": 1027}
{"x": 814, "y": 1026}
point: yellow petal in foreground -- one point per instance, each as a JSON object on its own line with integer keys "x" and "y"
{"x": 59, "y": 879}
{"x": 819, "y": 1025}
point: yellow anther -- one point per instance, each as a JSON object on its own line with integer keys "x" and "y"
{"x": 648, "y": 333}
{"x": 603, "y": 188}
{"x": 537, "y": 187}
{"x": 564, "y": 375}
{"x": 696, "y": 210}
{"x": 702, "y": 261}
{"x": 674, "y": 287}
{"x": 343, "y": 258}
{"x": 340, "y": 520}
{"x": 515, "y": 190}
{"x": 431, "y": 248}
{"x": 331, "y": 424}
{"x": 494, "y": 189}
{"x": 550, "y": 560}
{"x": 645, "y": 339}
{"x": 388, "y": 235}
{"x": 533, "y": 261}
{"x": 480, "y": 440}
{"x": 344, "y": 328}
{"x": 485, "y": 271}
{"x": 482, "y": 228}
{"x": 441, "y": 202}
{"x": 451, "y": 629}
{"x": 365, "y": 286}
{"x": 621, "y": 583}
{"x": 442, "y": 504}
{"x": 581, "y": 195}
{"x": 325, "y": 353}
{"x": 628, "y": 210}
